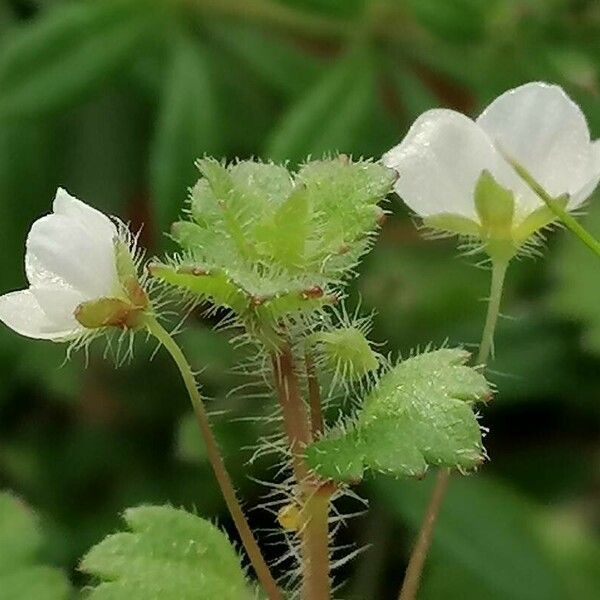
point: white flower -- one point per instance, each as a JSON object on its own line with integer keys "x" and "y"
{"x": 536, "y": 125}
{"x": 70, "y": 259}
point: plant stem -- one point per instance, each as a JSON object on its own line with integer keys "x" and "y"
{"x": 556, "y": 207}
{"x": 416, "y": 563}
{"x": 412, "y": 578}
{"x": 258, "y": 562}
{"x": 487, "y": 339}
{"x": 314, "y": 395}
{"x": 295, "y": 419}
{"x": 314, "y": 497}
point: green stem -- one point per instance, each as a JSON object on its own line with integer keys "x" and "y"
{"x": 412, "y": 578}
{"x": 258, "y": 562}
{"x": 557, "y": 208}
{"x": 487, "y": 339}
{"x": 416, "y": 563}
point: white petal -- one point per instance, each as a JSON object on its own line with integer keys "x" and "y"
{"x": 538, "y": 125}
{"x": 22, "y": 312}
{"x": 59, "y": 305}
{"x": 579, "y": 197}
{"x": 63, "y": 252}
{"x": 96, "y": 222}
{"x": 439, "y": 162}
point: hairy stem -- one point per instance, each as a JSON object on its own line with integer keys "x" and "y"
{"x": 313, "y": 496}
{"x": 487, "y": 339}
{"x": 295, "y": 419}
{"x": 314, "y": 395}
{"x": 214, "y": 455}
{"x": 416, "y": 563}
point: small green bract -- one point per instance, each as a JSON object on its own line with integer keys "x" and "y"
{"x": 419, "y": 414}
{"x": 169, "y": 554}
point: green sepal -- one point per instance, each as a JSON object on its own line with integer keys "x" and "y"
{"x": 538, "y": 219}
{"x": 453, "y": 224}
{"x": 419, "y": 414}
{"x": 168, "y": 554}
{"x": 495, "y": 206}
{"x": 128, "y": 276}
{"x": 109, "y": 312}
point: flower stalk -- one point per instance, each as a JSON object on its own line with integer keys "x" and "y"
{"x": 216, "y": 460}
{"x": 416, "y": 563}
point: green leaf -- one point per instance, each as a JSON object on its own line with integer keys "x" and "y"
{"x": 187, "y": 128}
{"x": 274, "y": 59}
{"x": 330, "y": 116}
{"x": 419, "y": 414}
{"x": 283, "y": 238}
{"x": 69, "y": 52}
{"x": 168, "y": 554}
{"x": 485, "y": 541}
{"x": 21, "y": 577}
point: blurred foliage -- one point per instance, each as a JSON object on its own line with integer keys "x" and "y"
{"x": 114, "y": 99}
{"x": 22, "y": 577}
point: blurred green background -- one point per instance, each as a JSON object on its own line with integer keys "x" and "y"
{"x": 114, "y": 99}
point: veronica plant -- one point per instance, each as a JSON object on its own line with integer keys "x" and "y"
{"x": 270, "y": 251}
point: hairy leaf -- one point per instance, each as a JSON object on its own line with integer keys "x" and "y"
{"x": 168, "y": 554}
{"x": 419, "y": 414}
{"x": 266, "y": 243}
{"x": 21, "y": 576}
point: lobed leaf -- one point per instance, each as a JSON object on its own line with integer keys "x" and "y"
{"x": 266, "y": 243}
{"x": 419, "y": 414}
{"x": 168, "y": 554}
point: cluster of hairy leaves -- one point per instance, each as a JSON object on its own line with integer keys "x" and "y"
{"x": 267, "y": 243}
{"x": 169, "y": 554}
{"x": 419, "y": 414}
